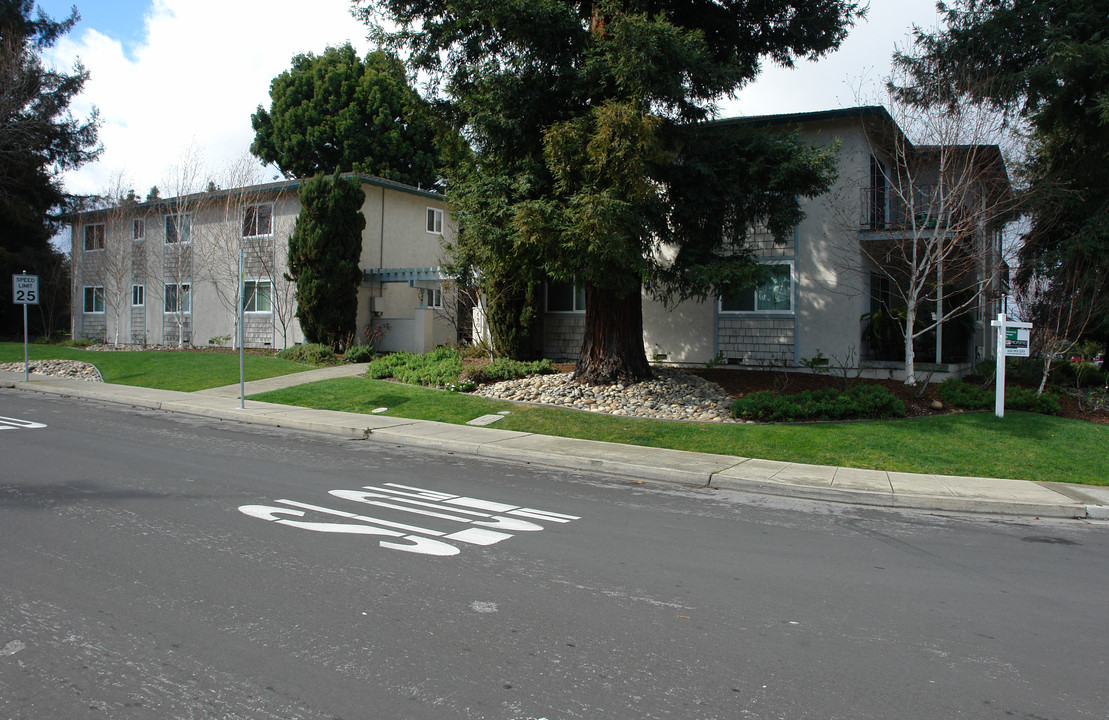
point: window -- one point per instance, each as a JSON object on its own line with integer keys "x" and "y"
{"x": 257, "y": 220}
{"x": 94, "y": 237}
{"x": 880, "y": 292}
{"x": 138, "y": 229}
{"x": 773, "y": 295}
{"x": 94, "y": 299}
{"x": 138, "y": 296}
{"x": 435, "y": 221}
{"x": 878, "y": 200}
{"x": 257, "y": 296}
{"x": 435, "y": 299}
{"x": 178, "y": 298}
{"x": 178, "y": 228}
{"x": 565, "y": 297}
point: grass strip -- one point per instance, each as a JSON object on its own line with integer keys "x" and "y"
{"x": 185, "y": 371}
{"x": 1021, "y": 446}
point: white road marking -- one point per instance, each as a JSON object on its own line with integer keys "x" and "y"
{"x": 427, "y": 503}
{"x": 7, "y": 423}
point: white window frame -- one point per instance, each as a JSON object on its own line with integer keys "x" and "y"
{"x": 182, "y": 296}
{"x": 138, "y": 295}
{"x": 138, "y": 229}
{"x": 96, "y": 295}
{"x": 178, "y": 224}
{"x": 577, "y": 293}
{"x": 434, "y": 221}
{"x": 249, "y": 295}
{"x": 254, "y": 209}
{"x": 97, "y": 242}
{"x": 434, "y": 298}
{"x": 759, "y": 311}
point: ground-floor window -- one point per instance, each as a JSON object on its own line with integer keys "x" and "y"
{"x": 257, "y": 296}
{"x": 773, "y": 295}
{"x": 94, "y": 299}
{"x": 435, "y": 299}
{"x": 178, "y": 298}
{"x": 567, "y": 296}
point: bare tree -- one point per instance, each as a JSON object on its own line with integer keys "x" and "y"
{"x": 178, "y": 254}
{"x": 935, "y": 200}
{"x": 1059, "y": 308}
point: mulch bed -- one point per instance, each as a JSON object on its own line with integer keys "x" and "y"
{"x": 739, "y": 382}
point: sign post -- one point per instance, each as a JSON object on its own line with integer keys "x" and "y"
{"x": 25, "y": 291}
{"x": 1012, "y": 341}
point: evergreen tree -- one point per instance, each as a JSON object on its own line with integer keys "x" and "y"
{"x": 39, "y": 139}
{"x": 1045, "y": 64}
{"x": 593, "y": 161}
{"x": 338, "y": 112}
{"x": 323, "y": 258}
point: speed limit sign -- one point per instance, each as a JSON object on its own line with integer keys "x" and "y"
{"x": 25, "y": 289}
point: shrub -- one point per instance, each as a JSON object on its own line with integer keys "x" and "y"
{"x": 954, "y": 391}
{"x": 435, "y": 369}
{"x": 359, "y": 354}
{"x": 861, "y": 401}
{"x": 508, "y": 369}
{"x": 310, "y": 354}
{"x": 1078, "y": 374}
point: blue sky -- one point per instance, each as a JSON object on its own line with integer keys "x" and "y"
{"x": 175, "y": 83}
{"x": 120, "y": 19}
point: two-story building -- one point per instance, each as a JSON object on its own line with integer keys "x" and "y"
{"x": 166, "y": 271}
{"x": 840, "y": 284}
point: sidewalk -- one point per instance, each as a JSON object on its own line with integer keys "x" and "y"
{"x": 836, "y": 484}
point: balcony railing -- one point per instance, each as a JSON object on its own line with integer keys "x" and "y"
{"x": 884, "y": 209}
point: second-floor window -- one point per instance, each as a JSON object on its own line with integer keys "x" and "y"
{"x": 138, "y": 229}
{"x": 94, "y": 237}
{"x": 178, "y": 228}
{"x": 138, "y": 296}
{"x": 257, "y": 220}
{"x": 435, "y": 221}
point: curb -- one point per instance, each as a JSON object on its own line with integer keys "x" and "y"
{"x": 683, "y": 468}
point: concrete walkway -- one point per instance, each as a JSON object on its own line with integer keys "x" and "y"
{"x": 836, "y": 484}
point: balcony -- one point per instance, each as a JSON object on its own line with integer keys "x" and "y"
{"x": 886, "y": 211}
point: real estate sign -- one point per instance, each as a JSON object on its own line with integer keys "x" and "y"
{"x": 1016, "y": 341}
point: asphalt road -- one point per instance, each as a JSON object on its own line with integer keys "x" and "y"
{"x": 158, "y": 566}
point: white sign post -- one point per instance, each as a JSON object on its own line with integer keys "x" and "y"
{"x": 25, "y": 291}
{"x": 1012, "y": 341}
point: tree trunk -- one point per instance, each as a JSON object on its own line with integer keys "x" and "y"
{"x": 910, "y": 353}
{"x": 612, "y": 348}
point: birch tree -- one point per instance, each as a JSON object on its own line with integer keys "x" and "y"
{"x": 934, "y": 208}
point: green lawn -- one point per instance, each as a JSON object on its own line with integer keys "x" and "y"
{"x": 1020, "y": 445}
{"x": 186, "y": 371}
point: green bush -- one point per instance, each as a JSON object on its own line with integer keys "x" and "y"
{"x": 861, "y": 401}
{"x": 434, "y": 369}
{"x": 508, "y": 369}
{"x": 1078, "y": 374}
{"x": 954, "y": 391}
{"x": 359, "y": 354}
{"x": 310, "y": 354}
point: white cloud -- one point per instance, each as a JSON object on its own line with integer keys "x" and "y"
{"x": 203, "y": 67}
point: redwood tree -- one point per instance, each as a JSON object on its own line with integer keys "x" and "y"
{"x": 593, "y": 116}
